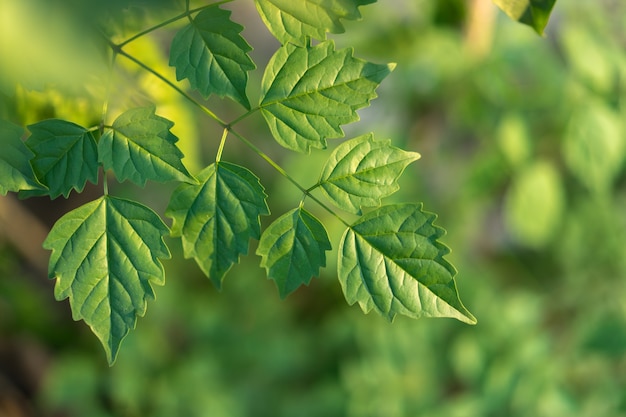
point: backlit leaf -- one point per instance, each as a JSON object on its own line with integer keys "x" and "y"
{"x": 16, "y": 172}
{"x": 391, "y": 260}
{"x": 309, "y": 92}
{"x": 140, "y": 147}
{"x": 217, "y": 217}
{"x": 66, "y": 156}
{"x": 211, "y": 54}
{"x": 534, "y": 13}
{"x": 293, "y": 21}
{"x": 105, "y": 258}
{"x": 361, "y": 171}
{"x": 293, "y": 249}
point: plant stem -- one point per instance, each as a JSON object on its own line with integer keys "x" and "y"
{"x": 282, "y": 172}
{"x": 218, "y": 157}
{"x": 243, "y": 116}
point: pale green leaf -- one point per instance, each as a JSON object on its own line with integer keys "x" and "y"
{"x": 217, "y": 217}
{"x": 66, "y": 156}
{"x": 294, "y": 21}
{"x": 105, "y": 258}
{"x": 293, "y": 249}
{"x": 361, "y": 171}
{"x": 16, "y": 172}
{"x": 534, "y": 13}
{"x": 140, "y": 147}
{"x": 391, "y": 260}
{"x": 211, "y": 54}
{"x": 309, "y": 92}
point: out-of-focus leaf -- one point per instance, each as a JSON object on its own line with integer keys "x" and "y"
{"x": 140, "y": 147}
{"x": 391, "y": 260}
{"x": 309, "y": 92}
{"x": 66, "y": 156}
{"x": 361, "y": 171}
{"x": 217, "y": 217}
{"x": 105, "y": 258}
{"x": 294, "y": 21}
{"x": 293, "y": 249}
{"x": 513, "y": 140}
{"x": 16, "y": 172}
{"x": 534, "y": 13}
{"x": 211, "y": 54}
{"x": 534, "y": 204}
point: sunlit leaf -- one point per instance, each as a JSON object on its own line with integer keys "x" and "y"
{"x": 66, "y": 156}
{"x": 534, "y": 13}
{"x": 309, "y": 92}
{"x": 105, "y": 258}
{"x": 140, "y": 147}
{"x": 361, "y": 171}
{"x": 293, "y": 21}
{"x": 293, "y": 249}
{"x": 211, "y": 54}
{"x": 217, "y": 217}
{"x": 16, "y": 172}
{"x": 391, "y": 260}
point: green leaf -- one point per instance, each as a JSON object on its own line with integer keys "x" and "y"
{"x": 534, "y": 13}
{"x": 293, "y": 249}
{"x": 308, "y": 92}
{"x": 66, "y": 156}
{"x": 140, "y": 147}
{"x": 217, "y": 217}
{"x": 391, "y": 260}
{"x": 361, "y": 171}
{"x": 294, "y": 21}
{"x": 16, "y": 172}
{"x": 105, "y": 258}
{"x": 211, "y": 54}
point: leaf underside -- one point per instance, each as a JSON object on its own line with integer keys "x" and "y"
{"x": 390, "y": 260}
{"x": 105, "y": 256}
{"x": 66, "y": 156}
{"x": 293, "y": 249}
{"x": 361, "y": 171}
{"x": 294, "y": 21}
{"x": 217, "y": 217}
{"x": 309, "y": 92}
{"x": 534, "y": 13}
{"x": 211, "y": 54}
{"x": 140, "y": 147}
{"x": 16, "y": 172}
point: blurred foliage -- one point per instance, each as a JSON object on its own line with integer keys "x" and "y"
{"x": 522, "y": 155}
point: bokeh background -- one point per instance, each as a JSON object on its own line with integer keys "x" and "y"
{"x": 522, "y": 140}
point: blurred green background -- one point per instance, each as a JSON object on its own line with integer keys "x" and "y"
{"x": 523, "y": 142}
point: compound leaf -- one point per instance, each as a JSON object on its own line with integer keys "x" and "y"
{"x": 308, "y": 92}
{"x": 293, "y": 249}
{"x": 534, "y": 13}
{"x": 140, "y": 147}
{"x": 211, "y": 54}
{"x": 295, "y": 21}
{"x": 216, "y": 217}
{"x": 66, "y": 156}
{"x": 361, "y": 171}
{"x": 105, "y": 258}
{"x": 16, "y": 172}
{"x": 390, "y": 260}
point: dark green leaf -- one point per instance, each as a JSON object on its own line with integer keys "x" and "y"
{"x": 217, "y": 217}
{"x": 361, "y": 171}
{"x": 391, "y": 260}
{"x": 66, "y": 156}
{"x": 211, "y": 54}
{"x": 294, "y": 21}
{"x": 16, "y": 172}
{"x": 140, "y": 147}
{"x": 293, "y": 250}
{"x": 534, "y": 13}
{"x": 105, "y": 258}
{"x": 308, "y": 92}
